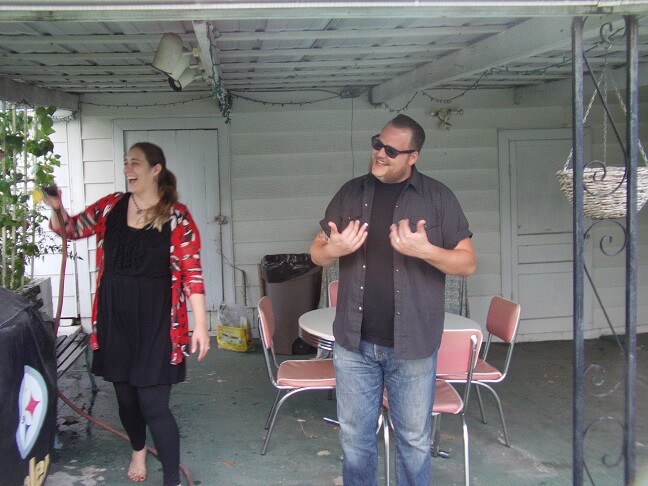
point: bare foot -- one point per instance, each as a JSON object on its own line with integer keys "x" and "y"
{"x": 137, "y": 468}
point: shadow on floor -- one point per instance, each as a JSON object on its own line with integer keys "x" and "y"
{"x": 222, "y": 407}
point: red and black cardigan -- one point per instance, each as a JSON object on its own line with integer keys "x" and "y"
{"x": 184, "y": 261}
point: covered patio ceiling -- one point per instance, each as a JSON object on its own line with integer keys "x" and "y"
{"x": 61, "y": 50}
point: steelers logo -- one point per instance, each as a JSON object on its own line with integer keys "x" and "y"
{"x": 32, "y": 407}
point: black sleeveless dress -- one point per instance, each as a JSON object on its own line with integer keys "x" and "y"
{"x": 134, "y": 307}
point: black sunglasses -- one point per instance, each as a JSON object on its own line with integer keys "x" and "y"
{"x": 391, "y": 152}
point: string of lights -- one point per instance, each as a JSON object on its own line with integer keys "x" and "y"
{"x": 145, "y": 105}
{"x": 225, "y": 97}
{"x": 24, "y": 104}
{"x": 289, "y": 103}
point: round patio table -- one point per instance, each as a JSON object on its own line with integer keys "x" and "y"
{"x": 316, "y": 326}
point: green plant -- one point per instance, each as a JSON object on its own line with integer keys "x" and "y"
{"x": 27, "y": 162}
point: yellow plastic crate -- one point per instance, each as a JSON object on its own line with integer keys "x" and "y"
{"x": 234, "y": 338}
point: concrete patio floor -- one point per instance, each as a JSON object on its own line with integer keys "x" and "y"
{"x": 222, "y": 407}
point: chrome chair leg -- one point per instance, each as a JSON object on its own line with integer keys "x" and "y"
{"x": 507, "y": 439}
{"x": 436, "y": 435}
{"x": 466, "y": 451}
{"x": 331, "y": 421}
{"x": 385, "y": 425}
{"x": 273, "y": 417}
{"x": 274, "y": 406}
{"x": 481, "y": 404}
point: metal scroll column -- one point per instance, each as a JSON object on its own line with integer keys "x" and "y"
{"x": 632, "y": 148}
{"x": 579, "y": 245}
{"x": 632, "y": 124}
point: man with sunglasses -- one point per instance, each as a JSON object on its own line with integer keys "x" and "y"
{"x": 396, "y": 233}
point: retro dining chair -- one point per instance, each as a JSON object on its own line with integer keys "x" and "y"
{"x": 333, "y": 293}
{"x": 456, "y": 295}
{"x": 502, "y": 322}
{"x": 457, "y": 355}
{"x": 289, "y": 377}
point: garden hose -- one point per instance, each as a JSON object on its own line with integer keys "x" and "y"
{"x": 38, "y": 196}
{"x": 118, "y": 433}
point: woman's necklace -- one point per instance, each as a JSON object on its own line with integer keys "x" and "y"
{"x": 139, "y": 211}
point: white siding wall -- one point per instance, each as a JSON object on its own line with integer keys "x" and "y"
{"x": 50, "y": 265}
{"x": 288, "y": 161}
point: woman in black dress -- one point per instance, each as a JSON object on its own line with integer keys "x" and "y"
{"x": 148, "y": 265}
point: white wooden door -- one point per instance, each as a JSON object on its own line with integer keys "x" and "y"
{"x": 537, "y": 242}
{"x": 192, "y": 155}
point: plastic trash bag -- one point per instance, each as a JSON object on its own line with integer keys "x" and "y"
{"x": 233, "y": 329}
{"x": 281, "y": 267}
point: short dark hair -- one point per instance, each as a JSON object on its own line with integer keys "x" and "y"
{"x": 418, "y": 134}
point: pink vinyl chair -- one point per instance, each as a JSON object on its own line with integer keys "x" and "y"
{"x": 457, "y": 354}
{"x": 292, "y": 376}
{"x": 333, "y": 292}
{"x": 502, "y": 321}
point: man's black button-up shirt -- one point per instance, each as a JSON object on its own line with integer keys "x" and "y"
{"x": 418, "y": 286}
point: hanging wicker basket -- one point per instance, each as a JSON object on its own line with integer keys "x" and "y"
{"x": 604, "y": 186}
{"x": 604, "y": 195}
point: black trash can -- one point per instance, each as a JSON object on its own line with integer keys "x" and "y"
{"x": 28, "y": 391}
{"x": 292, "y": 283}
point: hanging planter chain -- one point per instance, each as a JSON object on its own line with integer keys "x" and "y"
{"x": 605, "y": 186}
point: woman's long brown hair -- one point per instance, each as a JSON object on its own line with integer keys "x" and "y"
{"x": 159, "y": 214}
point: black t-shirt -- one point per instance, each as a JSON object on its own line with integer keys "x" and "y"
{"x": 378, "y": 304}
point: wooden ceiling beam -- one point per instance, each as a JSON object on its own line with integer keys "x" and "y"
{"x": 382, "y": 34}
{"x": 94, "y": 39}
{"x": 78, "y": 70}
{"x": 281, "y": 65}
{"x": 531, "y": 38}
{"x": 561, "y": 91}
{"x": 88, "y": 39}
{"x": 210, "y": 66}
{"x": 325, "y": 73}
{"x": 342, "y": 51}
{"x": 167, "y": 10}
{"x": 74, "y": 57}
{"x": 18, "y": 92}
{"x": 62, "y": 57}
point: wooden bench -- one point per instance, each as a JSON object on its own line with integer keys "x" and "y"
{"x": 69, "y": 348}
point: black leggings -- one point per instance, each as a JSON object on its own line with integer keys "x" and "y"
{"x": 142, "y": 406}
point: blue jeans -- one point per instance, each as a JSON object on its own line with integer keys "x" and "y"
{"x": 360, "y": 378}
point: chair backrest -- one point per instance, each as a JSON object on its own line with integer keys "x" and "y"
{"x": 457, "y": 351}
{"x": 267, "y": 330}
{"x": 456, "y": 295}
{"x": 333, "y": 292}
{"x": 266, "y": 322}
{"x": 503, "y": 319}
{"x": 458, "y": 356}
